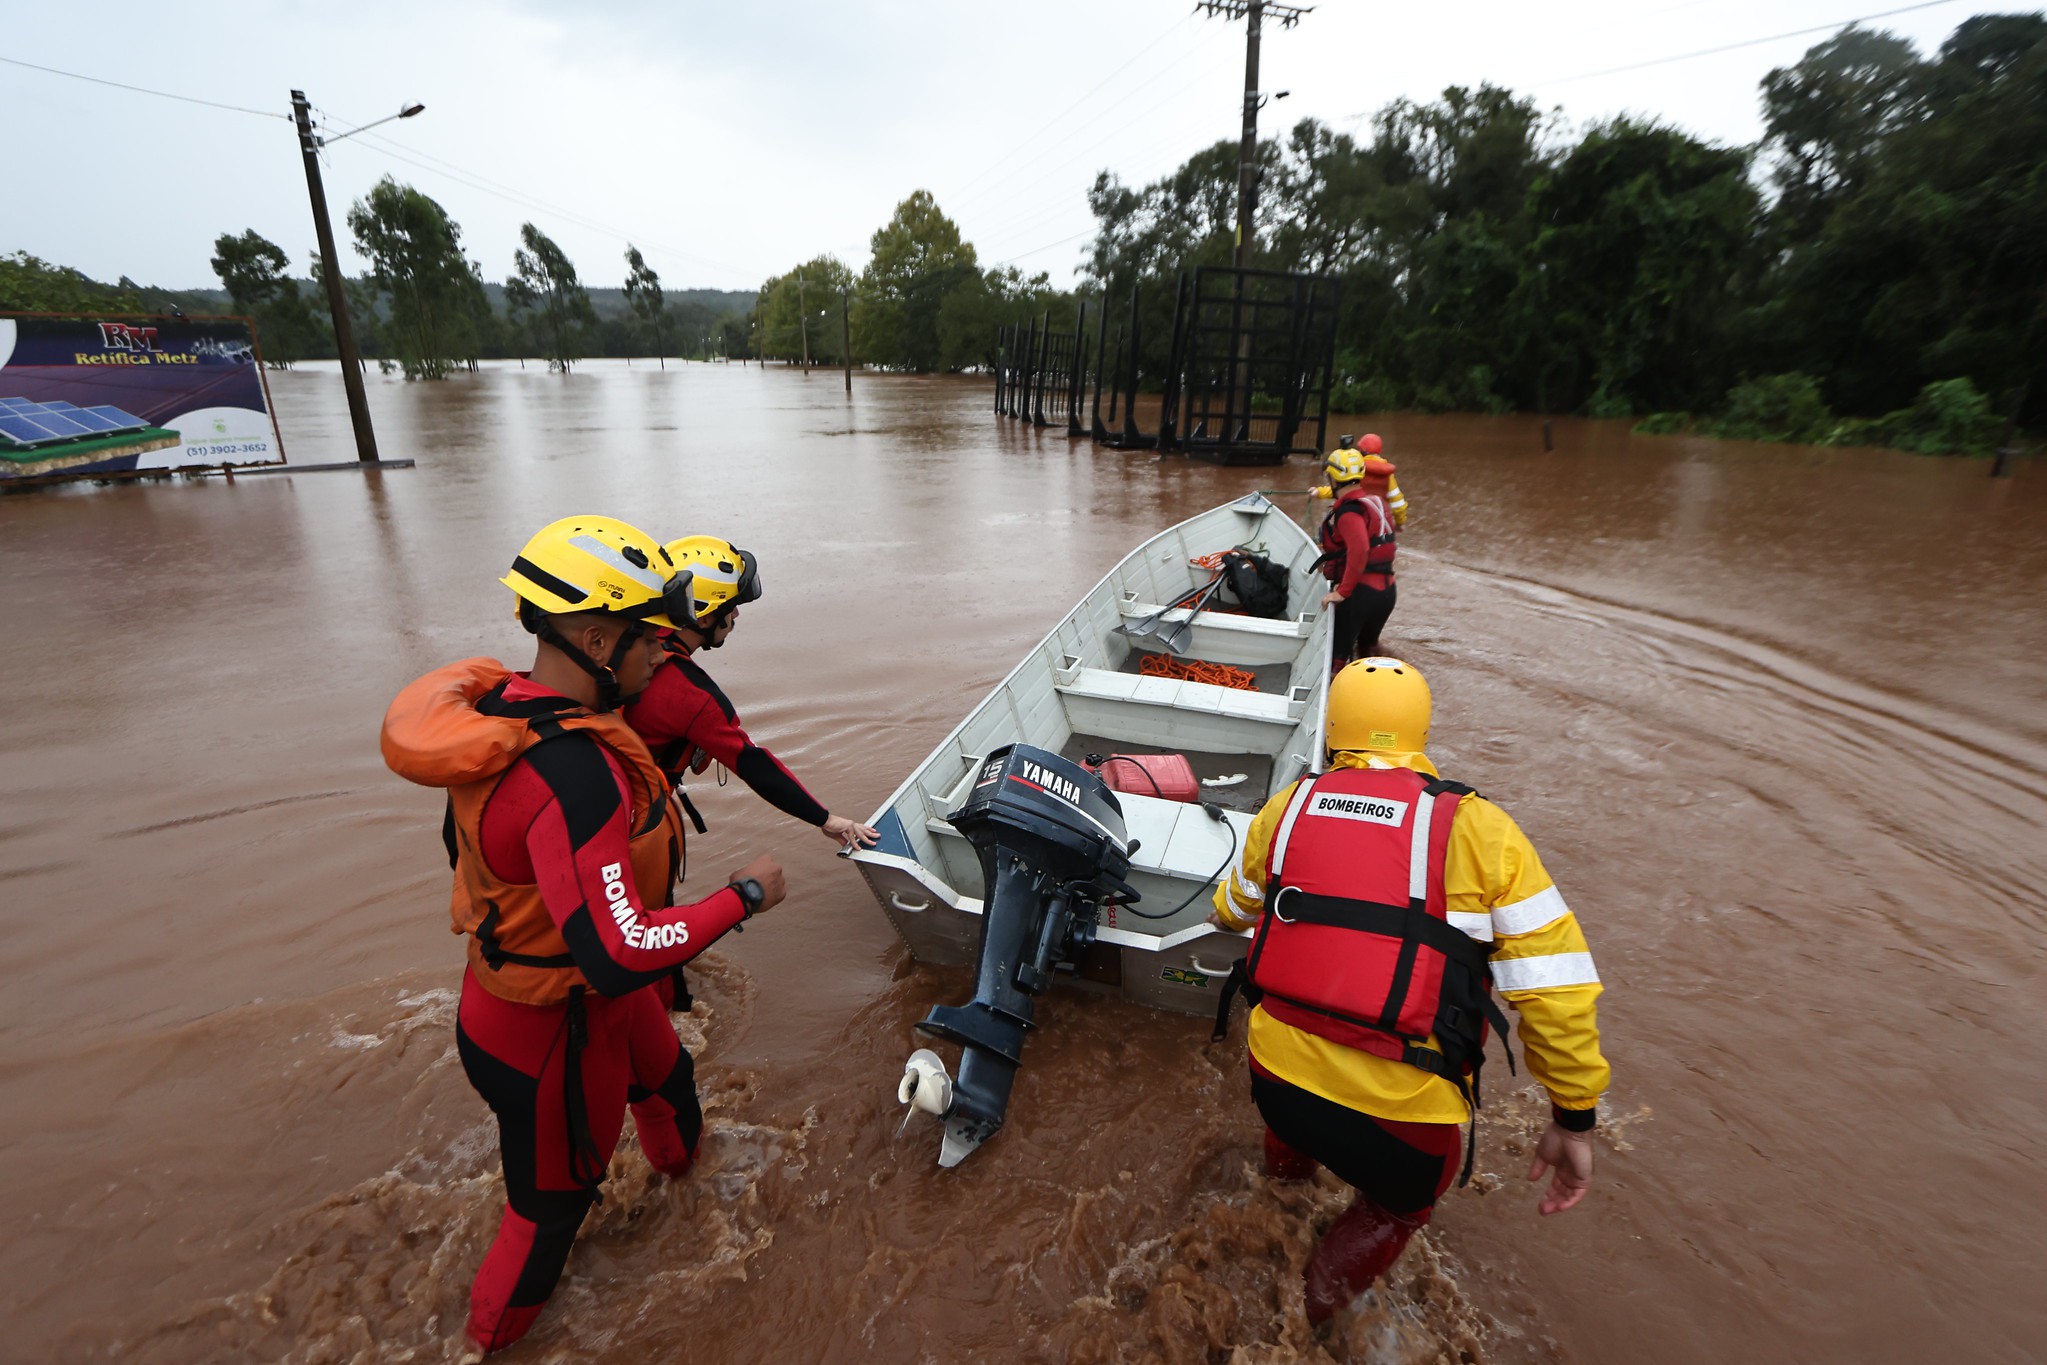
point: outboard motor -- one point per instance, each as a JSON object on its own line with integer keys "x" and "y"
{"x": 1052, "y": 846}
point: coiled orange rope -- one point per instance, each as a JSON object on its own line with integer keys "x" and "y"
{"x": 1198, "y": 670}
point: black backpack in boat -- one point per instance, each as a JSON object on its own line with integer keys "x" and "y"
{"x": 1258, "y": 584}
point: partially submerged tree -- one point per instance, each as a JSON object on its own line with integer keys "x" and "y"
{"x": 544, "y": 283}
{"x": 428, "y": 287}
{"x": 643, "y": 295}
{"x": 919, "y": 258}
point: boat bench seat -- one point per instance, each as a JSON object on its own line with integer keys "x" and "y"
{"x": 1177, "y": 714}
{"x": 1227, "y": 637}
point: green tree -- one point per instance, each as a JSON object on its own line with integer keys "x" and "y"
{"x": 1641, "y": 230}
{"x": 426, "y": 285}
{"x": 918, "y": 259}
{"x": 1930, "y": 262}
{"x": 643, "y": 295}
{"x": 29, "y": 284}
{"x": 970, "y": 318}
{"x": 1827, "y": 119}
{"x": 544, "y": 283}
{"x": 253, "y": 270}
{"x": 804, "y": 304}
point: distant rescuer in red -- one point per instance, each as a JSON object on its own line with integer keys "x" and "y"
{"x": 1359, "y": 539}
{"x": 685, "y": 717}
{"x": 565, "y": 849}
{"x": 1389, "y": 905}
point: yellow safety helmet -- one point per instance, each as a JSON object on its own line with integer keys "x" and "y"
{"x": 598, "y": 564}
{"x": 1378, "y": 705}
{"x": 1344, "y": 465}
{"x": 725, "y": 575}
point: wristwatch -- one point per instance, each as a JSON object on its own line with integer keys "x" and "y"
{"x": 749, "y": 892}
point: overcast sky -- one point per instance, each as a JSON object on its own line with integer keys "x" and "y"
{"x": 730, "y": 141}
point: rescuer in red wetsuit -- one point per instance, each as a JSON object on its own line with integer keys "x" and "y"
{"x": 565, "y": 848}
{"x": 686, "y": 718}
{"x": 1358, "y": 539}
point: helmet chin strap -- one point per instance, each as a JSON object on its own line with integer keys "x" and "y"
{"x": 609, "y": 693}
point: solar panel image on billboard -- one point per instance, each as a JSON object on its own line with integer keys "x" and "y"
{"x": 24, "y": 423}
{"x": 40, "y": 438}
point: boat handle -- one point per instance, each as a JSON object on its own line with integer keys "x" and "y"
{"x": 1198, "y": 965}
{"x": 897, "y": 901}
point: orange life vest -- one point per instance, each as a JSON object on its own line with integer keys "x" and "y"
{"x": 454, "y": 729}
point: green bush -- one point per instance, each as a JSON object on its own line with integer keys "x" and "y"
{"x": 1776, "y": 407}
{"x": 1436, "y": 398}
{"x": 1478, "y": 392}
{"x": 1603, "y": 403}
{"x": 1664, "y": 424}
{"x": 1355, "y": 393}
{"x": 1950, "y": 417}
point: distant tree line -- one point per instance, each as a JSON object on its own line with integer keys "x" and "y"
{"x": 1882, "y": 254}
{"x": 1874, "y": 270}
{"x": 423, "y": 307}
{"x": 923, "y": 302}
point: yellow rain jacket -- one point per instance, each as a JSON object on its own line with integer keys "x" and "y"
{"x": 1494, "y": 888}
{"x": 1396, "y": 501}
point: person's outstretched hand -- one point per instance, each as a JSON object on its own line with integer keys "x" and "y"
{"x": 1569, "y": 1154}
{"x": 850, "y": 833}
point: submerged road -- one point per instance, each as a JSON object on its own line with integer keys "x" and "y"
{"x": 1776, "y": 717}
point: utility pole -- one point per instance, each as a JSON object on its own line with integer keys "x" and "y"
{"x": 846, "y": 335}
{"x": 337, "y": 300}
{"x": 1253, "y": 11}
{"x": 803, "y": 322}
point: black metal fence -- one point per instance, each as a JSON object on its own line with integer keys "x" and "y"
{"x": 1246, "y": 380}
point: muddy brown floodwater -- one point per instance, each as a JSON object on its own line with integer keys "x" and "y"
{"x": 1776, "y": 717}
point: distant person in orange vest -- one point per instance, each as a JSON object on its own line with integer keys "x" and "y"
{"x": 1389, "y": 904}
{"x": 1370, "y": 444}
{"x": 564, "y": 846}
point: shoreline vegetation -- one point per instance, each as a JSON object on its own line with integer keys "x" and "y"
{"x": 1949, "y": 417}
{"x": 1872, "y": 272}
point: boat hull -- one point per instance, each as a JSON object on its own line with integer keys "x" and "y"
{"x": 1083, "y": 686}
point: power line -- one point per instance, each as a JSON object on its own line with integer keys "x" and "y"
{"x": 1750, "y": 42}
{"x": 1012, "y": 260}
{"x": 1016, "y": 168}
{"x": 1053, "y": 122}
{"x": 145, "y": 90}
{"x": 520, "y": 199}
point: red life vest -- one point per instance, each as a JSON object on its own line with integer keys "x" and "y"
{"x": 1355, "y": 945}
{"x": 1379, "y": 557}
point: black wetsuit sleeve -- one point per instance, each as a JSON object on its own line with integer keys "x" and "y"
{"x": 717, "y": 731}
{"x": 777, "y": 786}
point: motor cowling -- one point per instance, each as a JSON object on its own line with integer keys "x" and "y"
{"x": 1052, "y": 845}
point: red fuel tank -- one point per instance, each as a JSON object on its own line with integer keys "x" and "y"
{"x": 1169, "y": 776}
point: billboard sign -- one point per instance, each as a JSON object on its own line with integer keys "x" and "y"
{"x": 91, "y": 396}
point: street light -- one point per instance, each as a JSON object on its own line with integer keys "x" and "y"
{"x": 404, "y": 111}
